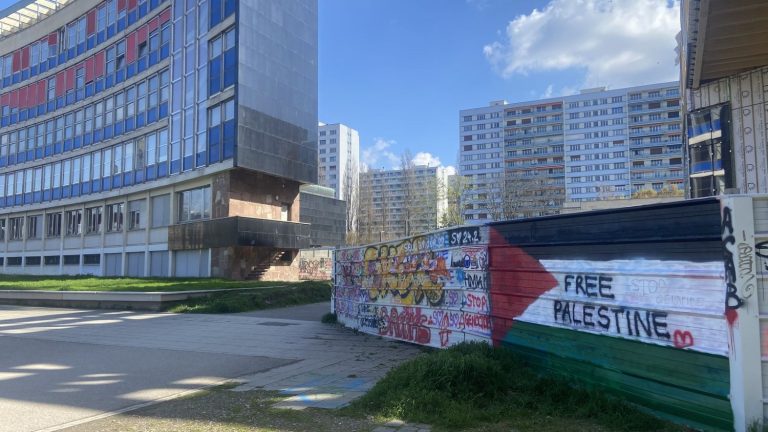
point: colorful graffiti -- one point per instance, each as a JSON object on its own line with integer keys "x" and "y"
{"x": 315, "y": 264}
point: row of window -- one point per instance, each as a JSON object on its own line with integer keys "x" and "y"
{"x": 71, "y": 41}
{"x": 88, "y": 259}
{"x": 85, "y": 86}
{"x": 222, "y": 61}
{"x": 129, "y": 109}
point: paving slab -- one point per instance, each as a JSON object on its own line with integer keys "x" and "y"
{"x": 59, "y": 367}
{"x": 309, "y": 312}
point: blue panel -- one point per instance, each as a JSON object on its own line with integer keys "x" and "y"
{"x": 119, "y": 76}
{"x": 21, "y": 157}
{"x": 130, "y": 70}
{"x": 142, "y": 10}
{"x": 34, "y": 70}
{"x": 2, "y": 202}
{"x": 91, "y": 42}
{"x": 110, "y": 31}
{"x": 51, "y": 106}
{"x": 105, "y": 183}
{"x": 6, "y": 81}
{"x": 14, "y": 118}
{"x": 128, "y": 178}
{"x": 65, "y": 191}
{"x": 151, "y": 115}
{"x": 3, "y": 161}
{"x": 215, "y": 6}
{"x": 162, "y": 170}
{"x": 117, "y": 181}
{"x": 39, "y": 153}
{"x": 42, "y": 67}
{"x": 187, "y": 163}
{"x": 28, "y": 198}
{"x": 175, "y": 166}
{"x": 60, "y": 102}
{"x": 108, "y": 132}
{"x": 214, "y": 76}
{"x": 80, "y": 48}
{"x": 80, "y": 94}
{"x": 139, "y": 176}
{"x": 89, "y": 90}
{"x": 152, "y": 172}
{"x": 70, "y": 98}
{"x": 109, "y": 80}
{"x": 56, "y": 193}
{"x": 37, "y": 197}
{"x": 121, "y": 24}
{"x": 140, "y": 120}
{"x": 132, "y": 17}
{"x": 76, "y": 190}
{"x": 47, "y": 195}
{"x": 25, "y": 74}
{"x": 100, "y": 37}
{"x": 22, "y": 115}
{"x": 87, "y": 139}
{"x": 129, "y": 124}
{"x": 71, "y": 53}
{"x": 67, "y": 145}
{"x": 99, "y": 84}
{"x": 77, "y": 142}
{"x": 96, "y": 185}
{"x": 118, "y": 128}
{"x": 30, "y": 155}
{"x": 229, "y": 139}
{"x": 86, "y": 188}
{"x": 164, "y": 110}
{"x": 152, "y": 58}
{"x": 141, "y": 65}
{"x": 153, "y": 3}
{"x": 164, "y": 51}
{"x": 11, "y": 159}
{"x": 56, "y": 148}
{"x": 16, "y": 77}
{"x": 48, "y": 150}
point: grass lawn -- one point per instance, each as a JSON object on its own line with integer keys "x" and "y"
{"x": 90, "y": 283}
{"x": 476, "y": 387}
{"x": 242, "y": 301}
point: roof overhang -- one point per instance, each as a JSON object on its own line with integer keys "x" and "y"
{"x": 723, "y": 38}
{"x": 25, "y": 13}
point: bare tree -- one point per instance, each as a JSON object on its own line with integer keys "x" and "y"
{"x": 452, "y": 190}
{"x": 351, "y": 183}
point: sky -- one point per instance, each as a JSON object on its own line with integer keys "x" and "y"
{"x": 399, "y": 71}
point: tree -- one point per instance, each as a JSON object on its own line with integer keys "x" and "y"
{"x": 452, "y": 191}
{"x": 351, "y": 182}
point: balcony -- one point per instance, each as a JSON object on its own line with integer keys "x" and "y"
{"x": 238, "y": 231}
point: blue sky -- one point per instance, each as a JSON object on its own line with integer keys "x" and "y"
{"x": 399, "y": 71}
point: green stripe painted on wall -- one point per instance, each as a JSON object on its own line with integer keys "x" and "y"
{"x": 688, "y": 387}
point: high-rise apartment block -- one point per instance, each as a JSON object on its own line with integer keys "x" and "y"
{"x": 339, "y": 165}
{"x": 156, "y": 137}
{"x": 401, "y": 202}
{"x": 528, "y": 159}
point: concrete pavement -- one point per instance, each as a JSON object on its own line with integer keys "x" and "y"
{"x": 309, "y": 312}
{"x": 62, "y": 367}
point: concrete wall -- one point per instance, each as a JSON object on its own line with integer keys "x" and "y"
{"x": 623, "y": 300}
{"x": 316, "y": 264}
{"x": 327, "y": 215}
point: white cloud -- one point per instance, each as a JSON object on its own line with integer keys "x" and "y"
{"x": 450, "y": 170}
{"x": 425, "y": 158}
{"x": 548, "y": 92}
{"x": 378, "y": 154}
{"x": 612, "y": 42}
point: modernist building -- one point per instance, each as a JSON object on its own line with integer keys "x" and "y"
{"x": 156, "y": 137}
{"x": 401, "y": 202}
{"x": 339, "y": 165}
{"x": 529, "y": 158}
{"x": 724, "y": 68}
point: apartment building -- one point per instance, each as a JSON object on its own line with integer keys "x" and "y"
{"x": 529, "y": 158}
{"x": 339, "y": 165}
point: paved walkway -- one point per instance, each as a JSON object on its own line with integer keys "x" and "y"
{"x": 61, "y": 367}
{"x": 309, "y": 312}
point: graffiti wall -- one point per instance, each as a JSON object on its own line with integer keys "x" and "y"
{"x": 316, "y": 264}
{"x": 632, "y": 301}
{"x": 430, "y": 289}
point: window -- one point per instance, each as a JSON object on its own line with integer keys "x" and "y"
{"x": 71, "y": 259}
{"x": 91, "y": 259}
{"x": 93, "y": 220}
{"x": 136, "y": 213}
{"x": 195, "y": 204}
{"x": 115, "y": 217}
{"x": 14, "y": 261}
{"x": 53, "y": 225}
{"x": 34, "y": 226}
{"x": 161, "y": 209}
{"x": 2, "y": 229}
{"x": 52, "y": 260}
{"x": 74, "y": 220}
{"x": 222, "y": 64}
{"x": 32, "y": 261}
{"x": 16, "y": 228}
{"x": 51, "y": 89}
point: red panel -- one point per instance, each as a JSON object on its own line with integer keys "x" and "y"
{"x": 142, "y": 32}
{"x": 25, "y": 58}
{"x": 121, "y": 5}
{"x": 132, "y": 4}
{"x": 17, "y": 61}
{"x": 130, "y": 50}
{"x": 5, "y": 99}
{"x": 98, "y": 64}
{"x": 154, "y": 24}
{"x": 32, "y": 95}
{"x": 15, "y": 99}
{"x": 91, "y": 22}
{"x": 89, "y": 70}
{"x": 60, "y": 83}
{"x": 52, "y": 38}
{"x": 70, "y": 78}
{"x": 165, "y": 16}
{"x": 41, "y": 91}
{"x": 22, "y": 98}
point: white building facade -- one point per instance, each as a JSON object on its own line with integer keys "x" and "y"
{"x": 339, "y": 165}
{"x": 527, "y": 159}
